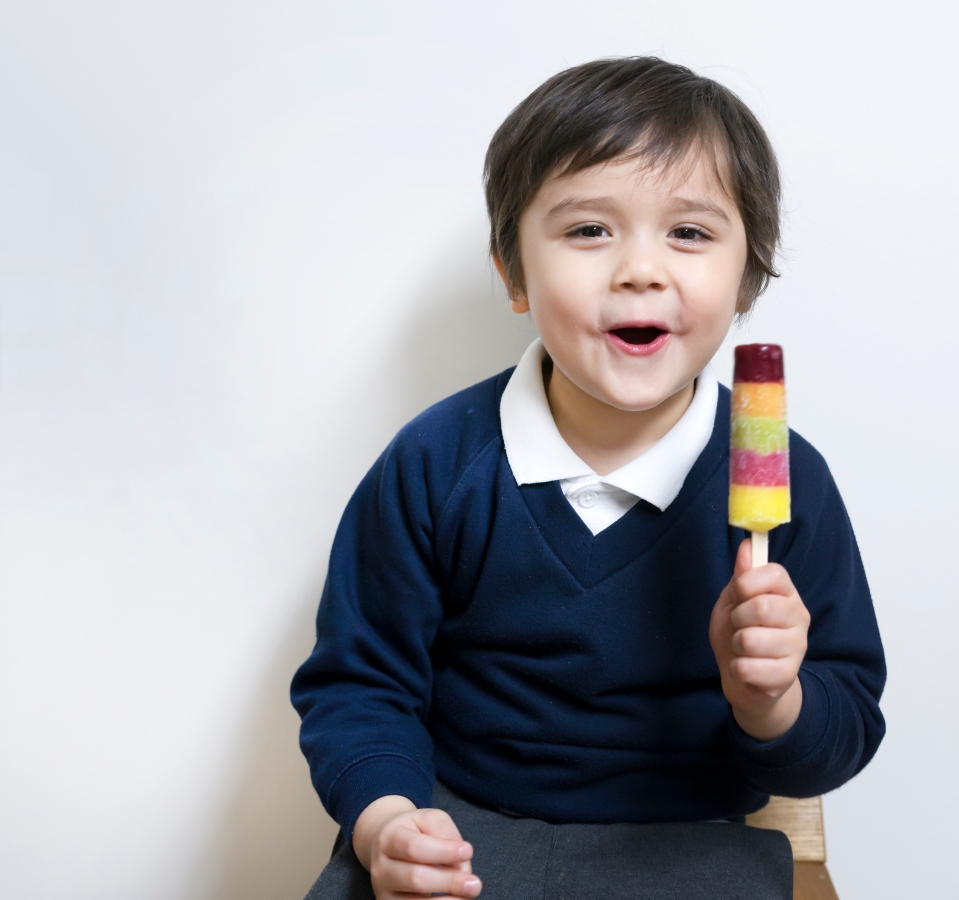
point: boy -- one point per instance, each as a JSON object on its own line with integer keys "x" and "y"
{"x": 534, "y": 597}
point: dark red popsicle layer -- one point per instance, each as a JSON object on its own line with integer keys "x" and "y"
{"x": 759, "y": 469}
{"x": 758, "y": 362}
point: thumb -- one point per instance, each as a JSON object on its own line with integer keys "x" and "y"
{"x": 729, "y": 598}
{"x": 744, "y": 558}
{"x": 438, "y": 823}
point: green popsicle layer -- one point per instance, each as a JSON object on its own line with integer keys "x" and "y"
{"x": 759, "y": 433}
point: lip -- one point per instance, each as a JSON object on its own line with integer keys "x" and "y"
{"x": 631, "y": 349}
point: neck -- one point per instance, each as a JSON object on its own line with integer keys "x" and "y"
{"x": 602, "y": 436}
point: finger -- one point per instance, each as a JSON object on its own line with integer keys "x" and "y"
{"x": 412, "y": 878}
{"x": 769, "y": 611}
{"x": 771, "y": 578}
{"x": 768, "y": 643}
{"x": 414, "y": 846}
{"x": 433, "y": 896}
{"x": 771, "y": 676}
{"x": 747, "y": 582}
{"x": 427, "y": 836}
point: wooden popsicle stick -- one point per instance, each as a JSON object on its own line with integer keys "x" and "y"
{"x": 760, "y": 541}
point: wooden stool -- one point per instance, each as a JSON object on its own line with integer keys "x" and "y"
{"x": 801, "y": 820}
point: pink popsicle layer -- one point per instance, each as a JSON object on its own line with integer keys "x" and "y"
{"x": 765, "y": 469}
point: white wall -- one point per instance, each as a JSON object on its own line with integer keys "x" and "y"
{"x": 242, "y": 242}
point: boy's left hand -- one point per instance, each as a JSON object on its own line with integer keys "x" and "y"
{"x": 758, "y": 634}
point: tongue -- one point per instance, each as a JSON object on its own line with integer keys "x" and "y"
{"x": 638, "y": 335}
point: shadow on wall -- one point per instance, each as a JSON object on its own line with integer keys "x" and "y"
{"x": 462, "y": 332}
{"x": 275, "y": 837}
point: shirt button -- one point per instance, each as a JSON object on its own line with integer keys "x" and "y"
{"x": 586, "y": 499}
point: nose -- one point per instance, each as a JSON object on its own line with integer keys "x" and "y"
{"x": 641, "y": 266}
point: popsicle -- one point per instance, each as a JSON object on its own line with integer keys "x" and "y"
{"x": 759, "y": 451}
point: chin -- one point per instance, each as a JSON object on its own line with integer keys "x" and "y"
{"x": 633, "y": 403}
{"x": 629, "y": 399}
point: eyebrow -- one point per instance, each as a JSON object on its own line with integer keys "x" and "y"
{"x": 583, "y": 204}
{"x": 700, "y": 205}
{"x": 609, "y": 205}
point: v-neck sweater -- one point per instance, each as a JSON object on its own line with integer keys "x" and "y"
{"x": 475, "y": 631}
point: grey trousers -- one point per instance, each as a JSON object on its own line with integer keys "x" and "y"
{"x": 526, "y": 859}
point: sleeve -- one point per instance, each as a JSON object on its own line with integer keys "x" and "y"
{"x": 364, "y": 692}
{"x": 840, "y": 726}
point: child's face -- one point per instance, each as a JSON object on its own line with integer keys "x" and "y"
{"x": 631, "y": 277}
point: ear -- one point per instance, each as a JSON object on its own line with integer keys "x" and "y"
{"x": 517, "y": 299}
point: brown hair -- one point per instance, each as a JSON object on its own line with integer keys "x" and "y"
{"x": 634, "y": 107}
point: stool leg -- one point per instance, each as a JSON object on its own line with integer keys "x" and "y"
{"x": 811, "y": 881}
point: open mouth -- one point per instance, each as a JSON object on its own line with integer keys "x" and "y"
{"x": 638, "y": 336}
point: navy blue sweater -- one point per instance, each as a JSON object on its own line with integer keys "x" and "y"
{"x": 476, "y": 631}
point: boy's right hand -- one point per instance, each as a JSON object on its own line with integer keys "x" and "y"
{"x": 413, "y": 851}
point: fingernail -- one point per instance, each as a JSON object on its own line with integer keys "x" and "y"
{"x": 466, "y": 851}
{"x": 472, "y": 885}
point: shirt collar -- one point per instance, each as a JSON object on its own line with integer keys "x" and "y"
{"x": 537, "y": 453}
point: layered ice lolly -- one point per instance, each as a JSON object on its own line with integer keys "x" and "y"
{"x": 759, "y": 451}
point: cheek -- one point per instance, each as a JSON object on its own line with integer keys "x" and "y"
{"x": 557, "y": 290}
{"x": 716, "y": 283}
{"x": 551, "y": 314}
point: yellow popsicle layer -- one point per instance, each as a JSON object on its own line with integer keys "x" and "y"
{"x": 760, "y": 433}
{"x": 758, "y": 508}
{"x": 751, "y": 398}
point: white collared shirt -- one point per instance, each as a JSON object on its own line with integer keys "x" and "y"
{"x": 537, "y": 452}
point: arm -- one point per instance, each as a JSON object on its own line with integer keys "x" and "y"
{"x": 364, "y": 692}
{"x": 804, "y": 704}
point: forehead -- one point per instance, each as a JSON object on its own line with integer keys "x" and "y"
{"x": 696, "y": 175}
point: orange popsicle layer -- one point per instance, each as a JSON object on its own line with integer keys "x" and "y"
{"x": 765, "y": 399}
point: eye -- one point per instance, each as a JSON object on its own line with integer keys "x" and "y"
{"x": 689, "y": 234}
{"x": 592, "y": 230}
